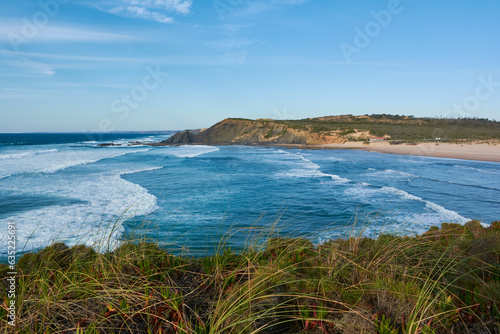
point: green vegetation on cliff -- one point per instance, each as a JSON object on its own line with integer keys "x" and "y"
{"x": 403, "y": 127}
{"x": 445, "y": 281}
{"x": 338, "y": 129}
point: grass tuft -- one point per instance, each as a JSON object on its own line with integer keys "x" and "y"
{"x": 444, "y": 281}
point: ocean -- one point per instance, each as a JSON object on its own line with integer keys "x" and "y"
{"x": 63, "y": 187}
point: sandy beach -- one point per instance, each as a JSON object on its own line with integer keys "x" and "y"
{"x": 469, "y": 151}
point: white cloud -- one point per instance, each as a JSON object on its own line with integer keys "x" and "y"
{"x": 60, "y": 33}
{"x": 231, "y": 43}
{"x": 290, "y": 2}
{"x": 179, "y": 6}
{"x": 257, "y": 7}
{"x": 73, "y": 57}
{"x": 153, "y": 10}
{"x": 142, "y": 13}
{"x": 25, "y": 65}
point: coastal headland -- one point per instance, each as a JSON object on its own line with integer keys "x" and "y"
{"x": 469, "y": 139}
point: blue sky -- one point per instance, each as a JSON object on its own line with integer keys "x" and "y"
{"x": 76, "y": 65}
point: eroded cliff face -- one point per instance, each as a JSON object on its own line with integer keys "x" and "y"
{"x": 247, "y": 132}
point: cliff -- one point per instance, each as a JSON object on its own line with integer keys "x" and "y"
{"x": 185, "y": 137}
{"x": 247, "y": 132}
{"x": 339, "y": 129}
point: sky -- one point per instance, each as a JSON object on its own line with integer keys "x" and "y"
{"x": 136, "y": 65}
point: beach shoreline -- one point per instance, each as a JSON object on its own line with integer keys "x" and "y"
{"x": 465, "y": 151}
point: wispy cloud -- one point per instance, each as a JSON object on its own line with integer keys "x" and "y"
{"x": 142, "y": 13}
{"x": 153, "y": 10}
{"x": 73, "y": 57}
{"x": 233, "y": 49}
{"x": 290, "y": 60}
{"x": 25, "y": 65}
{"x": 63, "y": 33}
{"x": 258, "y": 6}
{"x": 178, "y": 6}
{"x": 230, "y": 43}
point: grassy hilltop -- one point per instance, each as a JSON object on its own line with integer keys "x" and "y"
{"x": 402, "y": 127}
{"x": 339, "y": 129}
{"x": 445, "y": 281}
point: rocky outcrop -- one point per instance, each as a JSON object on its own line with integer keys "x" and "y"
{"x": 250, "y": 132}
{"x": 180, "y": 138}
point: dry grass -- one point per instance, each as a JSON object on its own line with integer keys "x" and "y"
{"x": 447, "y": 280}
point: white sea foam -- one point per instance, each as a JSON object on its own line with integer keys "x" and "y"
{"x": 479, "y": 170}
{"x": 401, "y": 193}
{"x": 424, "y": 160}
{"x": 333, "y": 159}
{"x": 187, "y": 151}
{"x": 399, "y": 225}
{"x": 120, "y": 143}
{"x": 55, "y": 161}
{"x": 140, "y": 170}
{"x": 391, "y": 173}
{"x": 56, "y": 167}
{"x": 431, "y": 213}
{"x": 398, "y": 222}
{"x": 106, "y": 201}
{"x": 155, "y": 139}
{"x": 103, "y": 200}
{"x": 304, "y": 168}
{"x": 307, "y": 168}
{"x": 446, "y": 214}
{"x": 25, "y": 154}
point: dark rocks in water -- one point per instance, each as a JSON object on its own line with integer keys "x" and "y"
{"x": 132, "y": 143}
{"x": 180, "y": 138}
{"x": 108, "y": 145}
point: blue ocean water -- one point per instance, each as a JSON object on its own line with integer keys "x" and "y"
{"x": 64, "y": 187}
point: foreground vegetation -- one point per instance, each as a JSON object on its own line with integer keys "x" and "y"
{"x": 445, "y": 281}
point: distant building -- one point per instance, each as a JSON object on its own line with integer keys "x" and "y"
{"x": 378, "y": 139}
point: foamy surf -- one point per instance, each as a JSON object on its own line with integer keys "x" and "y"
{"x": 53, "y": 161}
{"x": 140, "y": 170}
{"x": 108, "y": 201}
{"x": 496, "y": 172}
{"x": 187, "y": 151}
{"x": 431, "y": 212}
{"x": 25, "y": 154}
{"x": 306, "y": 169}
{"x": 73, "y": 163}
{"x": 201, "y": 190}
{"x": 392, "y": 173}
